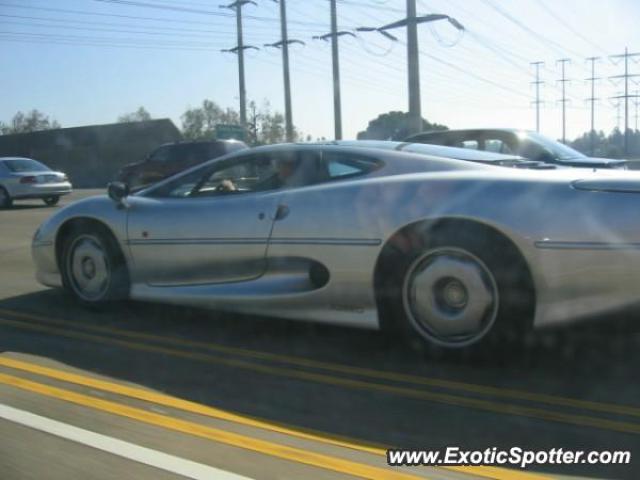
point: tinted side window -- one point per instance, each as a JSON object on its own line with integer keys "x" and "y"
{"x": 254, "y": 174}
{"x": 497, "y": 146}
{"x": 346, "y": 165}
{"x": 470, "y": 144}
{"x": 189, "y": 153}
{"x": 161, "y": 155}
{"x": 240, "y": 175}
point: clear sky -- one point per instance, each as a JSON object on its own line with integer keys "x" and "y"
{"x": 89, "y": 61}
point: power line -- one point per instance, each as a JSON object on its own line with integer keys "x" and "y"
{"x": 575, "y": 31}
{"x": 546, "y": 41}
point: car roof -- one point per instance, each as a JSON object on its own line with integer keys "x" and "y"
{"x": 434, "y": 150}
{"x": 14, "y": 158}
{"x": 466, "y": 130}
{"x": 203, "y": 142}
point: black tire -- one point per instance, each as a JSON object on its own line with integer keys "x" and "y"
{"x": 52, "y": 200}
{"x": 5, "y": 200}
{"x": 509, "y": 315}
{"x": 95, "y": 248}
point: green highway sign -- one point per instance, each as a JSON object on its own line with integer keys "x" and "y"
{"x": 228, "y": 132}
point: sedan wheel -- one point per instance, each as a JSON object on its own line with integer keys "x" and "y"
{"x": 5, "y": 199}
{"x": 450, "y": 297}
{"x": 89, "y": 268}
{"x": 52, "y": 200}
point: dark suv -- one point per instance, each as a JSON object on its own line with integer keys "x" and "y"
{"x": 172, "y": 158}
{"x": 510, "y": 141}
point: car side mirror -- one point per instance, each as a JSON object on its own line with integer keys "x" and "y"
{"x": 118, "y": 192}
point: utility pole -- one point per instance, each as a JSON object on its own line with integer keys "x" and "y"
{"x": 284, "y": 44}
{"x": 625, "y": 56}
{"x": 335, "y": 63}
{"x": 537, "y": 102}
{"x": 413, "y": 64}
{"x": 335, "y": 60}
{"x": 239, "y": 50}
{"x": 593, "y": 99}
{"x": 411, "y": 22}
{"x": 285, "y": 71}
{"x": 563, "y": 81}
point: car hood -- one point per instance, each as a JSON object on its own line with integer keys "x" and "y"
{"x": 131, "y": 166}
{"x": 594, "y": 162}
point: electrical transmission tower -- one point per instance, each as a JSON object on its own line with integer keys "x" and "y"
{"x": 239, "y": 50}
{"x": 537, "y": 101}
{"x": 626, "y": 96}
{"x": 592, "y": 99}
{"x": 563, "y": 101}
{"x": 618, "y": 106}
{"x": 411, "y": 23}
{"x": 635, "y": 104}
{"x": 284, "y": 44}
{"x": 335, "y": 60}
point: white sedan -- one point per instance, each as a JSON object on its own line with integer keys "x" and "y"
{"x": 25, "y": 178}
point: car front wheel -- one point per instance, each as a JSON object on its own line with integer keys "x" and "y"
{"x": 52, "y": 200}
{"x": 93, "y": 267}
{"x": 5, "y": 199}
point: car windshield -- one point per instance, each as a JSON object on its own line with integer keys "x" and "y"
{"x": 25, "y": 165}
{"x": 559, "y": 150}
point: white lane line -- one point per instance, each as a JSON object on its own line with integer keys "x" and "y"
{"x": 131, "y": 451}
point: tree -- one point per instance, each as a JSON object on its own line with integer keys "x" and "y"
{"x": 393, "y": 126}
{"x": 32, "y": 121}
{"x": 263, "y": 126}
{"x": 272, "y": 128}
{"x": 200, "y": 123}
{"x": 140, "y": 115}
{"x": 609, "y": 146}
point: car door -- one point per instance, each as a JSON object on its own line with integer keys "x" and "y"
{"x": 197, "y": 229}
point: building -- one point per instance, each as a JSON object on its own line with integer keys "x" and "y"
{"x": 91, "y": 155}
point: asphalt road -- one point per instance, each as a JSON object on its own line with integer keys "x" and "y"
{"x": 150, "y": 391}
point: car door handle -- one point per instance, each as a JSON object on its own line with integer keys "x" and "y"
{"x": 281, "y": 212}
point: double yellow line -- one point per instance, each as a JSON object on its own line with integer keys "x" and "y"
{"x": 285, "y": 452}
{"x": 52, "y": 326}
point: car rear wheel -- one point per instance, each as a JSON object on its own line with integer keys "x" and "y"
{"x": 93, "y": 267}
{"x": 52, "y": 200}
{"x": 5, "y": 200}
{"x": 461, "y": 294}
{"x": 450, "y": 297}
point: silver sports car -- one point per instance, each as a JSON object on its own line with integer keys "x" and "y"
{"x": 454, "y": 253}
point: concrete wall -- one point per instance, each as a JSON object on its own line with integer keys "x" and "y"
{"x": 91, "y": 156}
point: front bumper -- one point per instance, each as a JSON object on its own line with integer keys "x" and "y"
{"x": 44, "y": 258}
